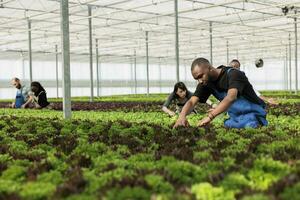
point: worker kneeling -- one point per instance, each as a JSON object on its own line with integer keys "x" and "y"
{"x": 235, "y": 93}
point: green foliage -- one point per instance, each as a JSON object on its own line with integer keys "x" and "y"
{"x": 14, "y": 173}
{"x": 205, "y": 191}
{"x": 137, "y": 155}
{"x": 128, "y": 193}
{"x": 256, "y": 197}
{"x": 291, "y": 193}
{"x": 37, "y": 190}
{"x": 265, "y": 172}
{"x": 158, "y": 184}
{"x": 54, "y": 177}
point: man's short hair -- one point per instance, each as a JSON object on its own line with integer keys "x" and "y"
{"x": 200, "y": 61}
{"x": 15, "y": 79}
{"x": 236, "y": 61}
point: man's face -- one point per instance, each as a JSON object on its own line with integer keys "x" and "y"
{"x": 201, "y": 74}
{"x": 16, "y": 84}
{"x": 235, "y": 65}
{"x": 181, "y": 93}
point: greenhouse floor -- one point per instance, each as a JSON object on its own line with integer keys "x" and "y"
{"x": 125, "y": 148}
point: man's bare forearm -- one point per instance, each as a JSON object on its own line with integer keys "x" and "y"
{"x": 223, "y": 106}
{"x": 187, "y": 108}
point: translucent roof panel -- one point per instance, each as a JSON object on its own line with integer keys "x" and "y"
{"x": 251, "y": 28}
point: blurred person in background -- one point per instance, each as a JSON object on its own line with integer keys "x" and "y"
{"x": 237, "y": 65}
{"x": 40, "y": 96}
{"x": 23, "y": 96}
{"x": 179, "y": 96}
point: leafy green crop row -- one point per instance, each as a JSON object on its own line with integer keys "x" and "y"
{"x": 111, "y": 159}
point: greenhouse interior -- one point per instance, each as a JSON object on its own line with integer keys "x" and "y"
{"x": 152, "y": 99}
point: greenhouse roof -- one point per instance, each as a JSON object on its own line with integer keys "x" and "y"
{"x": 249, "y": 29}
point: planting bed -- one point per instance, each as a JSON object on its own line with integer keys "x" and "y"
{"x": 137, "y": 155}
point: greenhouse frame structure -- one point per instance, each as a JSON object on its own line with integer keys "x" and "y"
{"x": 126, "y": 31}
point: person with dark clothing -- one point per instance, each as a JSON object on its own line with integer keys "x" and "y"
{"x": 180, "y": 96}
{"x": 40, "y": 95}
{"x": 235, "y": 93}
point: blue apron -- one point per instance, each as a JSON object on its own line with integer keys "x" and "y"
{"x": 243, "y": 113}
{"x": 19, "y": 99}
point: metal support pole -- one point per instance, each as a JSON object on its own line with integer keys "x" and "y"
{"x": 296, "y": 54}
{"x": 159, "y": 75}
{"x": 227, "y": 52}
{"x": 147, "y": 63}
{"x": 64, "y": 10}
{"x": 97, "y": 68}
{"x": 290, "y": 64}
{"x": 29, "y": 50}
{"x": 211, "y": 43}
{"x": 56, "y": 67}
{"x": 176, "y": 40}
{"x": 23, "y": 66}
{"x": 91, "y": 53}
{"x": 285, "y": 71}
{"x": 135, "y": 79}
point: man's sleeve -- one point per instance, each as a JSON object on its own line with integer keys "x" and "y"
{"x": 202, "y": 92}
{"x": 237, "y": 80}
{"x": 169, "y": 100}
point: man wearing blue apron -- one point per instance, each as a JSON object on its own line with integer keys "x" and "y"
{"x": 22, "y": 96}
{"x": 235, "y": 93}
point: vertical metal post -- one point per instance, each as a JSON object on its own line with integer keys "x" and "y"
{"x": 23, "y": 66}
{"x": 91, "y": 53}
{"x": 176, "y": 40}
{"x": 211, "y": 43}
{"x": 159, "y": 75}
{"x": 227, "y": 52}
{"x": 64, "y": 10}
{"x": 296, "y": 54}
{"x": 29, "y": 50}
{"x": 185, "y": 71}
{"x": 290, "y": 64}
{"x": 285, "y": 71}
{"x": 135, "y": 78}
{"x": 147, "y": 63}
{"x": 56, "y": 67}
{"x": 97, "y": 67}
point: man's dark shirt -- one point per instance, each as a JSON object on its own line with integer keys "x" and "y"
{"x": 228, "y": 80}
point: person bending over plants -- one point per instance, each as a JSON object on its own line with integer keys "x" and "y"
{"x": 23, "y": 95}
{"x": 179, "y": 96}
{"x": 40, "y": 96}
{"x": 235, "y": 93}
